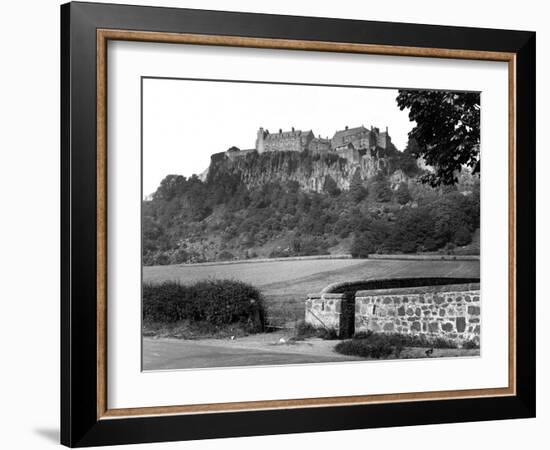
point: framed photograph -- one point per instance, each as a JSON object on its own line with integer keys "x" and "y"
{"x": 276, "y": 224}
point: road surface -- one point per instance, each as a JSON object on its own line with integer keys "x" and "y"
{"x": 166, "y": 353}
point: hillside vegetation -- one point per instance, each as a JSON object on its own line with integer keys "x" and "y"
{"x": 231, "y": 216}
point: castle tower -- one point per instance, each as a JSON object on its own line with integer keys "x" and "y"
{"x": 260, "y": 140}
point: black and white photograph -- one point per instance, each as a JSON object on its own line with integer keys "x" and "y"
{"x": 276, "y": 225}
{"x": 299, "y": 223}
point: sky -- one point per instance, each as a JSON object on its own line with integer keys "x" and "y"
{"x": 185, "y": 121}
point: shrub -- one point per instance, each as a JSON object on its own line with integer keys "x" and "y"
{"x": 225, "y": 256}
{"x": 380, "y": 188}
{"x": 279, "y": 253}
{"x": 365, "y": 349}
{"x": 463, "y": 236}
{"x": 357, "y": 190}
{"x": 305, "y": 330}
{"x": 329, "y": 334}
{"x": 406, "y": 340}
{"x": 381, "y": 345}
{"x": 470, "y": 344}
{"x": 314, "y": 245}
{"x": 402, "y": 194}
{"x": 430, "y": 244}
{"x": 440, "y": 342}
{"x": 218, "y": 302}
{"x": 408, "y": 247}
{"x": 179, "y": 256}
{"x": 331, "y": 187}
{"x": 363, "y": 334}
{"x": 362, "y": 245}
{"x": 189, "y": 330}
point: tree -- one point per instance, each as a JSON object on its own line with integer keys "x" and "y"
{"x": 330, "y": 186}
{"x": 406, "y": 160}
{"x": 169, "y": 187}
{"x": 357, "y": 190}
{"x": 381, "y": 189}
{"x": 402, "y": 194}
{"x": 362, "y": 245}
{"x": 449, "y": 214}
{"x": 446, "y": 131}
{"x": 410, "y": 230}
{"x": 462, "y": 236}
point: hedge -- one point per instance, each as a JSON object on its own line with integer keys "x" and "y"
{"x": 219, "y": 302}
{"x": 381, "y": 345}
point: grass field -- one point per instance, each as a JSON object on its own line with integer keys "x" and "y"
{"x": 285, "y": 284}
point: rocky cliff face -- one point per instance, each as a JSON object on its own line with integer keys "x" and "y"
{"x": 308, "y": 170}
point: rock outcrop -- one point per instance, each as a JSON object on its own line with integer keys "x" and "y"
{"x": 309, "y": 170}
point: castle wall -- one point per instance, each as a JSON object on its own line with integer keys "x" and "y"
{"x": 351, "y": 154}
{"x": 260, "y": 140}
{"x": 235, "y": 154}
{"x": 364, "y": 141}
{"x": 288, "y": 141}
{"x": 320, "y": 146}
{"x": 283, "y": 144}
{"x": 298, "y": 141}
{"x": 383, "y": 140}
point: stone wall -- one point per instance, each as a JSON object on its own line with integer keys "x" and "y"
{"x": 319, "y": 145}
{"x": 452, "y": 312}
{"x": 283, "y": 141}
{"x": 383, "y": 139}
{"x": 324, "y": 310}
{"x": 234, "y": 154}
{"x": 331, "y": 311}
{"x": 349, "y": 153}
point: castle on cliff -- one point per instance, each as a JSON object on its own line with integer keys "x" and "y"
{"x": 349, "y": 143}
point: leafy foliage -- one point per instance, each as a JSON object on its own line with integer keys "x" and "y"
{"x": 402, "y": 195}
{"x": 365, "y": 349}
{"x": 218, "y": 302}
{"x": 471, "y": 344}
{"x": 330, "y": 186}
{"x": 380, "y": 188}
{"x": 188, "y": 220}
{"x": 305, "y": 330}
{"x": 382, "y": 345}
{"x": 446, "y": 134}
{"x": 357, "y": 189}
{"x": 362, "y": 245}
{"x": 406, "y": 340}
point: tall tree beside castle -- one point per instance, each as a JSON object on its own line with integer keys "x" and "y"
{"x": 447, "y": 131}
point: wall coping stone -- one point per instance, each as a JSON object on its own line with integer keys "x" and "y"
{"x": 328, "y": 296}
{"x": 395, "y": 283}
{"x": 419, "y": 290}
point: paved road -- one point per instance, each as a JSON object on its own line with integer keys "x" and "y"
{"x": 159, "y": 354}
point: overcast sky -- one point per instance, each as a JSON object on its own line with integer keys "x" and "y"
{"x": 184, "y": 122}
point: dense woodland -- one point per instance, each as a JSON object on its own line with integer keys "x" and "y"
{"x": 188, "y": 220}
